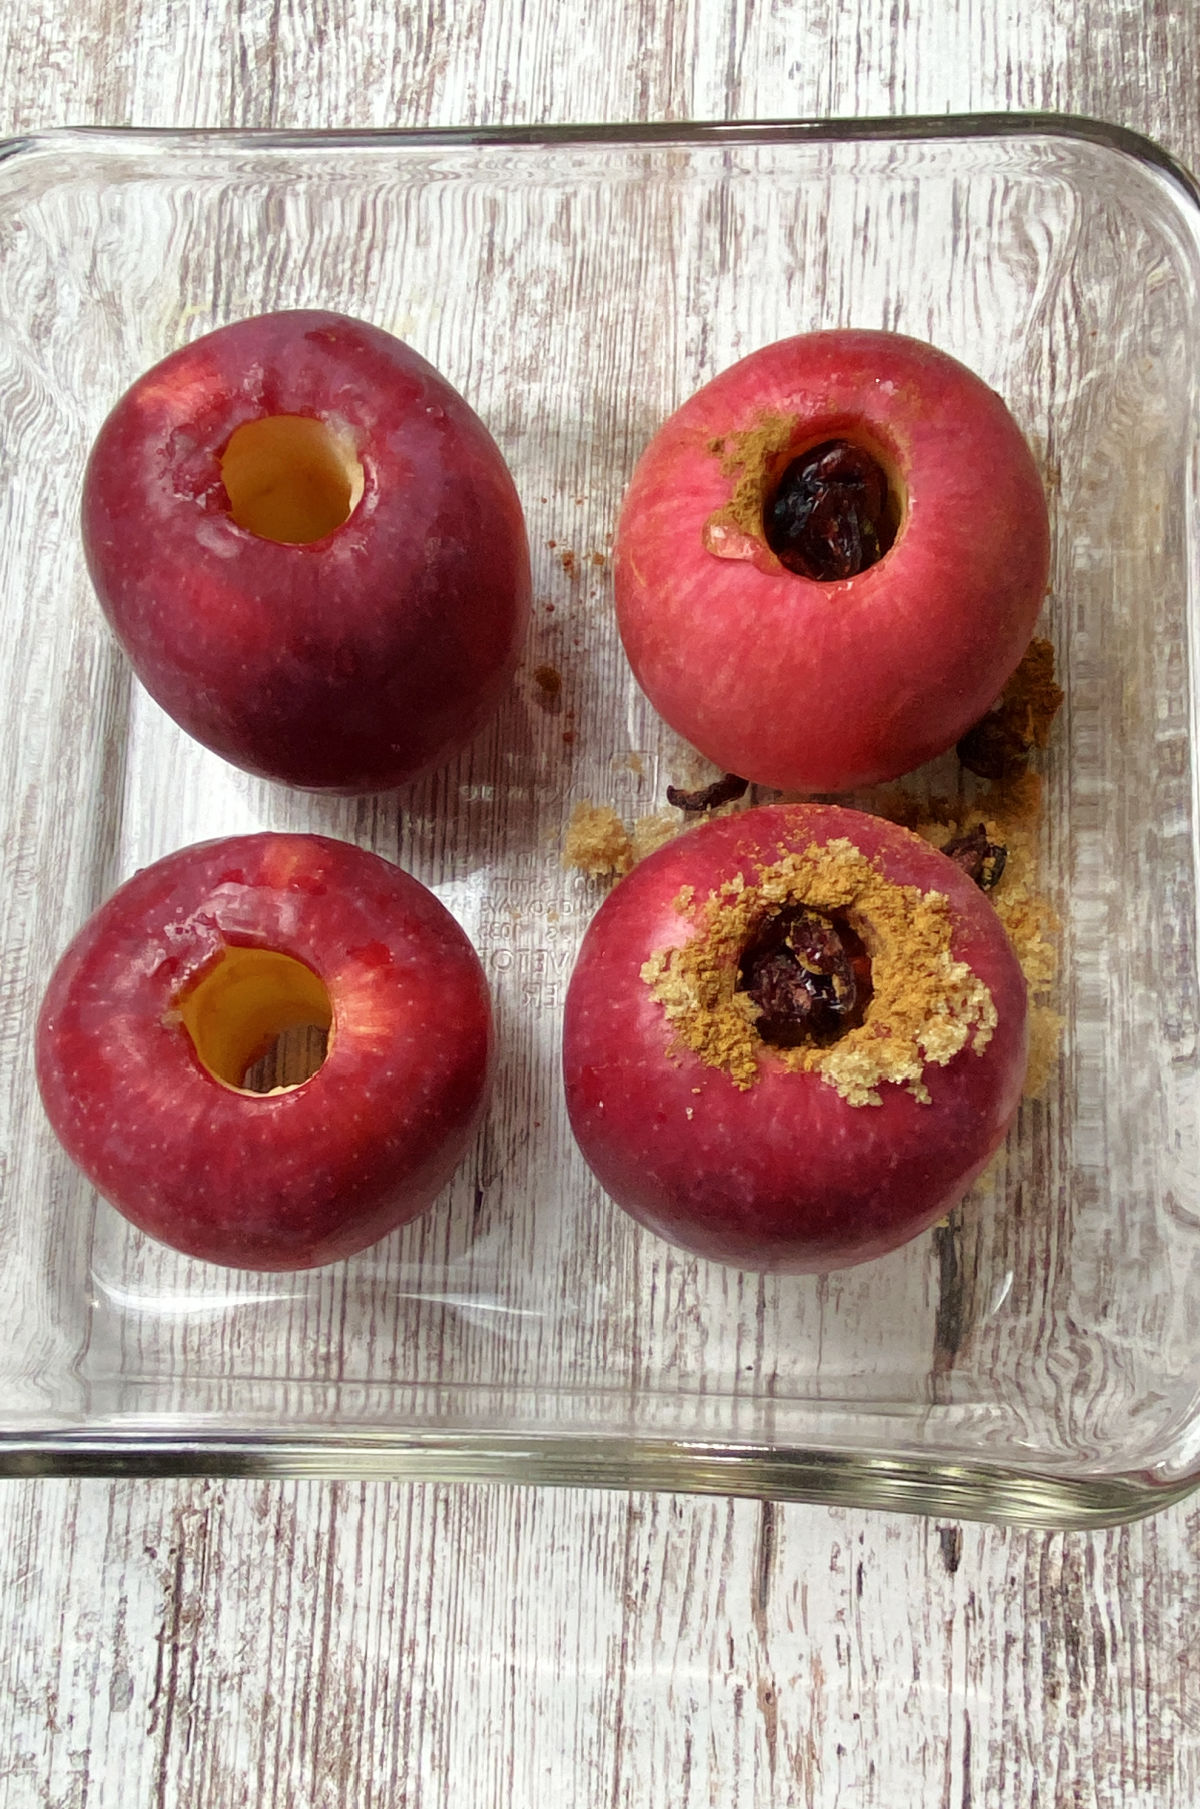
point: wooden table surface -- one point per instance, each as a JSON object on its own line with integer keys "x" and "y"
{"x": 218, "y": 1644}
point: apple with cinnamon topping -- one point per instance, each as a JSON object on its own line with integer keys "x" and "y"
{"x": 311, "y": 549}
{"x": 830, "y": 560}
{"x": 172, "y": 992}
{"x": 793, "y": 1038}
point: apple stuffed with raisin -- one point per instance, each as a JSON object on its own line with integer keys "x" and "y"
{"x": 311, "y": 549}
{"x": 187, "y": 976}
{"x": 793, "y": 1038}
{"x": 831, "y": 559}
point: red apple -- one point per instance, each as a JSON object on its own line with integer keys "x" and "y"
{"x": 189, "y": 973}
{"x": 311, "y": 550}
{"x": 831, "y": 559}
{"x": 895, "y": 1009}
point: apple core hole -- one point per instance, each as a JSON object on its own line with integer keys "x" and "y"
{"x": 290, "y": 478}
{"x": 293, "y": 1058}
{"x": 259, "y": 1020}
{"x": 832, "y": 513}
{"x": 809, "y": 976}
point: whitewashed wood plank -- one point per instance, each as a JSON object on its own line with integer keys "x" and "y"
{"x": 296, "y": 1644}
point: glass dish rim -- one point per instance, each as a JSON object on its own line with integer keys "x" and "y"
{"x": 984, "y": 1492}
{"x": 902, "y": 128}
{"x": 998, "y": 1493}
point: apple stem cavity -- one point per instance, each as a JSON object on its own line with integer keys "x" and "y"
{"x": 256, "y": 1017}
{"x": 831, "y": 514}
{"x": 809, "y": 977}
{"x": 290, "y": 478}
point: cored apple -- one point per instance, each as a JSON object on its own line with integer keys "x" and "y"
{"x": 793, "y": 1038}
{"x": 185, "y": 978}
{"x": 311, "y": 549}
{"x": 831, "y": 559}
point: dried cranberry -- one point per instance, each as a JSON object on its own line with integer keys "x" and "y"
{"x": 721, "y": 791}
{"x": 980, "y": 859}
{"x": 808, "y": 974}
{"x": 830, "y": 514}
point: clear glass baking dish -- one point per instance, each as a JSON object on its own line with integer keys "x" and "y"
{"x": 1038, "y": 1358}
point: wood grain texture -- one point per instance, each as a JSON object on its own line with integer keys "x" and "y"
{"x": 292, "y": 1644}
{"x": 336, "y": 1645}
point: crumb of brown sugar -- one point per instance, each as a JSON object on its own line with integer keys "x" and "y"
{"x": 654, "y": 831}
{"x": 1045, "y": 1040}
{"x": 597, "y": 841}
{"x": 748, "y": 458}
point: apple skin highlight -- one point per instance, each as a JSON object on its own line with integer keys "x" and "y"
{"x": 351, "y": 662}
{"x": 290, "y": 1179}
{"x": 782, "y": 1175}
{"x": 823, "y": 686}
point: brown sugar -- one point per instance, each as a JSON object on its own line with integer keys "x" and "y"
{"x": 597, "y": 841}
{"x": 1033, "y": 697}
{"x": 999, "y": 745}
{"x": 749, "y": 459}
{"x": 654, "y": 831}
{"x": 926, "y": 1006}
